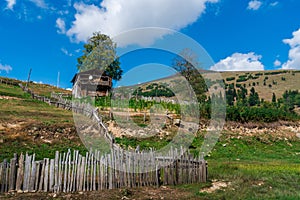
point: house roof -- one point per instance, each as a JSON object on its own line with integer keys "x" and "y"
{"x": 88, "y": 72}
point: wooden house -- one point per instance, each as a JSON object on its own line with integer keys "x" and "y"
{"x": 93, "y": 83}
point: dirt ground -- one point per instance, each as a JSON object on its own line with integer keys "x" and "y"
{"x": 163, "y": 192}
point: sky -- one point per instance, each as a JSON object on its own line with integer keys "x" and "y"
{"x": 238, "y": 35}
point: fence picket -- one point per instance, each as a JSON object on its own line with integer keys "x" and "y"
{"x": 71, "y": 172}
{"x": 32, "y": 175}
{"x": 12, "y": 173}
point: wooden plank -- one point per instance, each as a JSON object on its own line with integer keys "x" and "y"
{"x": 82, "y": 174}
{"x": 94, "y": 161}
{"x": 65, "y": 172}
{"x": 106, "y": 171}
{"x": 1, "y": 169}
{"x": 3, "y": 176}
{"x": 69, "y": 171}
{"x": 6, "y": 177}
{"x": 37, "y": 175}
{"x": 110, "y": 174}
{"x": 42, "y": 175}
{"x": 78, "y": 172}
{"x": 85, "y": 171}
{"x": 56, "y": 172}
{"x": 75, "y": 171}
{"x": 46, "y": 175}
{"x": 12, "y": 173}
{"x": 51, "y": 176}
{"x": 61, "y": 172}
{"x": 98, "y": 168}
{"x": 158, "y": 174}
{"x": 101, "y": 173}
{"x": 72, "y": 166}
{"x": 32, "y": 175}
{"x": 88, "y": 172}
{"x": 27, "y": 173}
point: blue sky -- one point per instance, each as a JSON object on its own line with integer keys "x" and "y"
{"x": 48, "y": 36}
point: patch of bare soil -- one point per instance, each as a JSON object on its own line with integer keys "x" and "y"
{"x": 216, "y": 185}
{"x": 276, "y": 131}
{"x": 9, "y": 98}
{"x": 31, "y": 131}
{"x": 135, "y": 131}
{"x": 162, "y": 193}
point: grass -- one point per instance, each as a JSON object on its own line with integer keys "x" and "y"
{"x": 12, "y": 91}
{"x": 254, "y": 168}
{"x": 42, "y": 150}
{"x": 258, "y": 180}
{"x": 34, "y": 124}
{"x": 46, "y": 90}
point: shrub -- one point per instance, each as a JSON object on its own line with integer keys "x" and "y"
{"x": 230, "y": 78}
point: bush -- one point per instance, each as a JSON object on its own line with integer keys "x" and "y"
{"x": 230, "y": 79}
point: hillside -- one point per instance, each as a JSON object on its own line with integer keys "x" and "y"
{"x": 253, "y": 160}
{"x": 265, "y": 82}
{"x": 27, "y": 125}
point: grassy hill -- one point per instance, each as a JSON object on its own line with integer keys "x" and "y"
{"x": 28, "y": 125}
{"x": 265, "y": 82}
{"x": 250, "y": 161}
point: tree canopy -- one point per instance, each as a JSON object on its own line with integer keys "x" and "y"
{"x": 100, "y": 53}
{"x": 187, "y": 64}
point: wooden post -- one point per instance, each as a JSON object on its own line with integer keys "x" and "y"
{"x": 42, "y": 175}
{"x": 3, "y": 176}
{"x": 78, "y": 172}
{"x": 20, "y": 174}
{"x": 46, "y": 176}
{"x": 158, "y": 174}
{"x": 28, "y": 79}
{"x": 56, "y": 171}
{"x": 38, "y": 167}
{"x": 32, "y": 175}
{"x": 27, "y": 173}
{"x": 51, "y": 176}
{"x": 12, "y": 173}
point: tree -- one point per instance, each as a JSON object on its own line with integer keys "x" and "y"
{"x": 242, "y": 96}
{"x": 186, "y": 63}
{"x": 253, "y": 98}
{"x": 100, "y": 53}
{"x": 274, "y": 98}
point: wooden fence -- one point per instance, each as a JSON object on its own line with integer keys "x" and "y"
{"x": 69, "y": 172}
{"x": 9, "y": 82}
{"x": 78, "y": 107}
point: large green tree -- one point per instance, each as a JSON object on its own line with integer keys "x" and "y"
{"x": 100, "y": 53}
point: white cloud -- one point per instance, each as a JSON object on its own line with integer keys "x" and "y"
{"x": 115, "y": 17}
{"x": 10, "y": 4}
{"x": 66, "y": 52}
{"x": 6, "y": 68}
{"x": 240, "y": 62}
{"x": 274, "y": 4}
{"x": 294, "y": 52}
{"x": 39, "y": 3}
{"x": 61, "y": 25}
{"x": 254, "y": 5}
{"x": 277, "y": 63}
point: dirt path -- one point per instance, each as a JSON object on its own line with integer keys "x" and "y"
{"x": 163, "y": 192}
